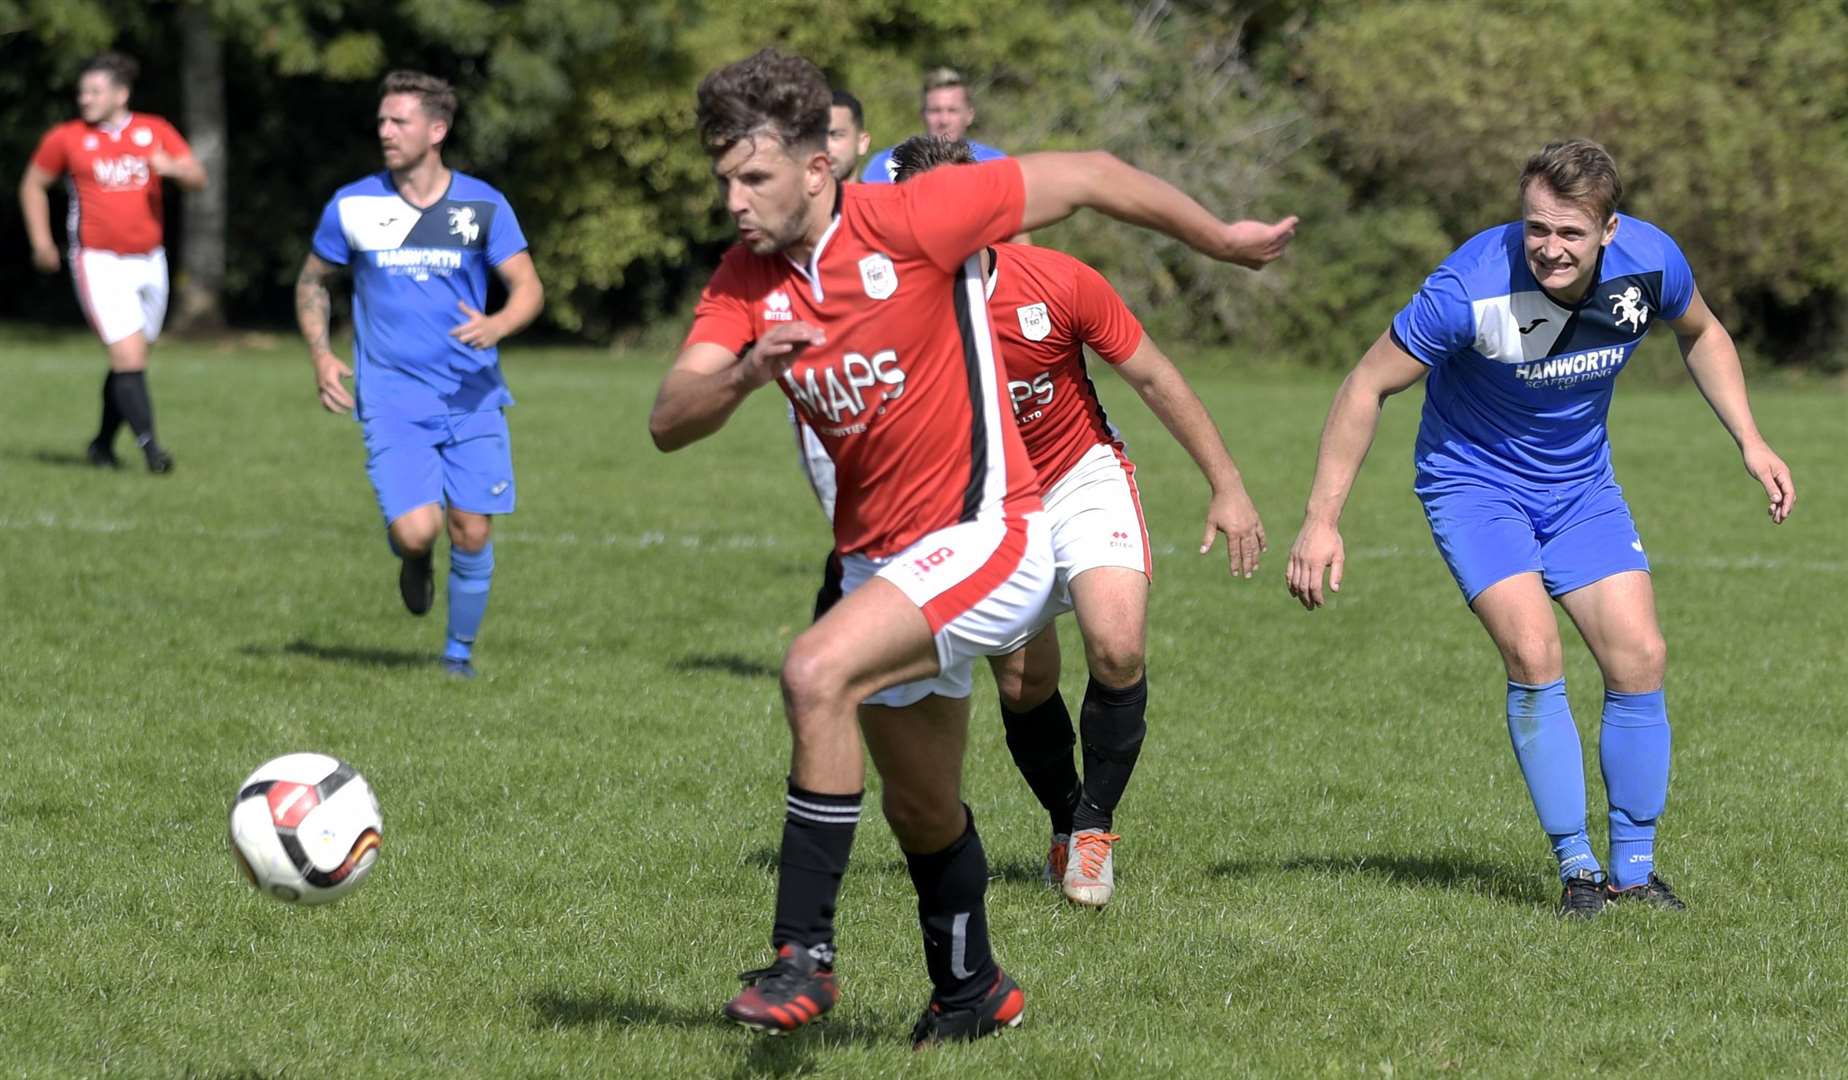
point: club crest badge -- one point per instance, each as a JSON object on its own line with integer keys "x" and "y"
{"x": 142, "y": 137}
{"x": 878, "y": 276}
{"x": 1035, "y": 321}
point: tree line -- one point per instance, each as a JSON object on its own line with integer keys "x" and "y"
{"x": 1395, "y": 129}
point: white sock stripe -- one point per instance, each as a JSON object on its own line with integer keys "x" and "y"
{"x": 826, "y": 808}
{"x": 825, "y": 819}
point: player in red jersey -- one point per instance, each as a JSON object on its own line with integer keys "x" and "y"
{"x": 1046, "y": 307}
{"x": 864, "y": 306}
{"x": 113, "y": 161}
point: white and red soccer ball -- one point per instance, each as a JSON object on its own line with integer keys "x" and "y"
{"x": 305, "y": 828}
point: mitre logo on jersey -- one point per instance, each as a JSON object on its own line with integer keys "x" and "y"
{"x": 462, "y": 223}
{"x": 141, "y": 137}
{"x": 838, "y": 396}
{"x": 1035, "y": 321}
{"x": 1629, "y": 308}
{"x": 878, "y": 276}
{"x": 123, "y": 172}
{"x": 776, "y": 307}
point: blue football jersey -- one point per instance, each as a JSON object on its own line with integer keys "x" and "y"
{"x": 881, "y": 170}
{"x": 1520, "y": 384}
{"x": 411, "y": 267}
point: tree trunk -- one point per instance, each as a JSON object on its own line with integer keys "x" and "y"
{"x": 199, "y": 292}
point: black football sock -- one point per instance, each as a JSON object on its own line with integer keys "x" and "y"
{"x": 112, "y": 419}
{"x": 1111, "y": 723}
{"x": 950, "y": 885}
{"x": 1041, "y": 741}
{"x": 817, "y": 838}
{"x": 830, "y": 592}
{"x": 130, "y": 390}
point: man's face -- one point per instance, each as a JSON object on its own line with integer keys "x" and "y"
{"x": 100, "y": 97}
{"x": 767, "y": 188}
{"x": 1562, "y": 240}
{"x": 947, "y": 112}
{"x": 406, "y": 132}
{"x": 846, "y": 142}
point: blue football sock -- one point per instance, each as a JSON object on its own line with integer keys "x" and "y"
{"x": 470, "y": 574}
{"x": 1546, "y": 743}
{"x": 1633, "y": 750}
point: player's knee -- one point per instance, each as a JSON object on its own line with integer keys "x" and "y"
{"x": 413, "y": 536}
{"x": 469, "y": 534}
{"x": 1115, "y": 663}
{"x": 812, "y": 681}
{"x": 922, "y": 820}
{"x": 1533, "y": 659}
{"x": 1649, "y": 662}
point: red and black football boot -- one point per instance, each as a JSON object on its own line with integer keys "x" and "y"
{"x": 1004, "y": 1007}
{"x": 792, "y": 992}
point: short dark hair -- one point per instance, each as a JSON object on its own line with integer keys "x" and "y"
{"x": 120, "y": 67}
{"x": 922, "y": 153}
{"x": 1578, "y": 171}
{"x": 769, "y": 91}
{"x": 844, "y": 100}
{"x": 437, "y": 96}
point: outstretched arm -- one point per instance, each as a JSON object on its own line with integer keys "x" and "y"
{"x": 708, "y": 381}
{"x": 1347, "y": 434}
{"x": 1165, "y": 391}
{"x": 525, "y": 300}
{"x": 314, "y": 315}
{"x": 1713, "y": 360}
{"x": 35, "y": 208}
{"x": 1060, "y": 183}
{"x": 184, "y": 170}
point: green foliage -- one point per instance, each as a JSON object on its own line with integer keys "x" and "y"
{"x": 1394, "y": 130}
{"x": 1729, "y": 123}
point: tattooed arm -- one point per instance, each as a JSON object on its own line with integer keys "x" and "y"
{"x": 313, "y": 313}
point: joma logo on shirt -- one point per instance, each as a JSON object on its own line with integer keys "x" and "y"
{"x": 828, "y": 393}
{"x": 122, "y": 172}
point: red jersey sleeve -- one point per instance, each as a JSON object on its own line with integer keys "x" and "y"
{"x": 50, "y": 155}
{"x": 723, "y": 315}
{"x": 957, "y": 211}
{"x": 168, "y": 138}
{"x": 1102, "y": 319}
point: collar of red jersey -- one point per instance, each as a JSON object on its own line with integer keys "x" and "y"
{"x": 119, "y": 128}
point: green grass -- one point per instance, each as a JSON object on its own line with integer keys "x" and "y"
{"x": 1330, "y": 863}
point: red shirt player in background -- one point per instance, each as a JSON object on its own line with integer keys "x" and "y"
{"x": 113, "y": 162}
{"x": 1046, "y": 307}
{"x": 865, "y": 305}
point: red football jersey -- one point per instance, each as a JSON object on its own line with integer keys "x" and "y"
{"x": 1046, "y": 307}
{"x": 114, "y": 192}
{"x": 908, "y": 393}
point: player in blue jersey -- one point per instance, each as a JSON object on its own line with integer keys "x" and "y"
{"x": 1522, "y": 333}
{"x": 947, "y": 113}
{"x": 419, "y": 239}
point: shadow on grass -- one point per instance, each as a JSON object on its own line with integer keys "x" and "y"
{"x": 345, "y": 654}
{"x": 1417, "y": 871}
{"x": 61, "y": 458}
{"x": 761, "y": 1055}
{"x": 725, "y": 664}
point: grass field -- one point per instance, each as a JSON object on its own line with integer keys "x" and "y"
{"x": 1330, "y": 864}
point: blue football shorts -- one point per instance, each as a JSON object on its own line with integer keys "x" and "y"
{"x": 1571, "y": 535}
{"x": 462, "y": 461}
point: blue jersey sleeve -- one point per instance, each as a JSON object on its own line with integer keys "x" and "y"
{"x": 330, "y": 241}
{"x": 878, "y": 168}
{"x": 1439, "y": 322}
{"x": 505, "y": 240}
{"x": 1677, "y": 280}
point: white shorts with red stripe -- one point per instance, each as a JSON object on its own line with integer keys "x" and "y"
{"x": 121, "y": 294}
{"x": 1096, "y": 516}
{"x": 982, "y": 586}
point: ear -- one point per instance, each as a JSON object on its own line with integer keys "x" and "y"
{"x": 866, "y": 143}
{"x": 818, "y": 171}
{"x": 1610, "y": 231}
{"x": 438, "y": 132}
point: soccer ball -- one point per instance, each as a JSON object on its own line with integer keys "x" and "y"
{"x": 305, "y": 828}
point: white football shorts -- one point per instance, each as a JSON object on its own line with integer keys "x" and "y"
{"x": 121, "y": 294}
{"x": 1096, "y": 517}
{"x": 982, "y": 585}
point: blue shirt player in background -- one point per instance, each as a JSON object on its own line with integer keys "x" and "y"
{"x": 419, "y": 239}
{"x": 947, "y": 112}
{"x": 1522, "y": 333}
